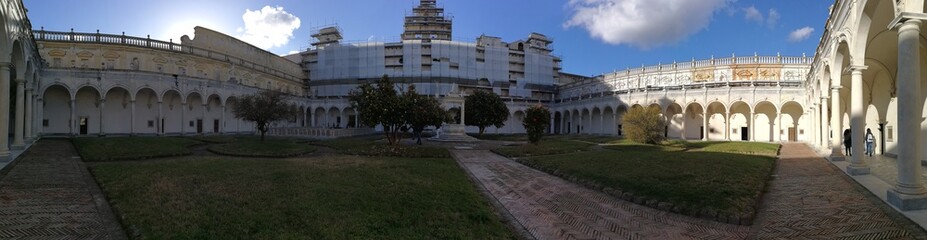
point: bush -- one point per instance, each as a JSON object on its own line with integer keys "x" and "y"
{"x": 644, "y": 125}
{"x": 536, "y": 122}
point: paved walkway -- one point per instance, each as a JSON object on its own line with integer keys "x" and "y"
{"x": 807, "y": 198}
{"x": 552, "y": 208}
{"x": 49, "y": 194}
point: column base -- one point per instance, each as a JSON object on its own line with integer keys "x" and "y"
{"x": 907, "y": 202}
{"x": 19, "y": 146}
{"x": 857, "y": 170}
{"x": 5, "y": 156}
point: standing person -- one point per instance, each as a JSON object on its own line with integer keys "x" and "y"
{"x": 847, "y": 142}
{"x": 870, "y": 139}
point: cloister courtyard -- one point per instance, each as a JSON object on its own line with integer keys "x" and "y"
{"x": 566, "y": 187}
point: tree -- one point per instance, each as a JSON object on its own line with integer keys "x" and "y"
{"x": 423, "y": 111}
{"x": 484, "y": 109}
{"x": 644, "y": 125}
{"x": 264, "y": 108}
{"x": 381, "y": 105}
{"x": 536, "y": 121}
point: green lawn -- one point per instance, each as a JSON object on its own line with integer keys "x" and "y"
{"x": 271, "y": 147}
{"x": 337, "y": 197}
{"x": 217, "y": 138}
{"x": 547, "y": 146}
{"x": 501, "y": 137}
{"x": 130, "y": 148}
{"x": 371, "y": 146}
{"x": 697, "y": 178}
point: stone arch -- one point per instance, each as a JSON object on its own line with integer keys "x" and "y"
{"x": 87, "y": 110}
{"x": 56, "y": 109}
{"x": 194, "y": 112}
{"x": 717, "y": 120}
{"x": 792, "y": 121}
{"x": 232, "y": 123}
{"x": 334, "y": 117}
{"x": 694, "y": 120}
{"x": 765, "y": 121}
{"x": 585, "y": 121}
{"x": 741, "y": 119}
{"x": 117, "y": 110}
{"x": 146, "y": 111}
{"x": 212, "y": 121}
{"x": 596, "y": 121}
{"x": 558, "y": 122}
{"x": 674, "y": 120}
{"x": 609, "y": 122}
{"x": 172, "y": 112}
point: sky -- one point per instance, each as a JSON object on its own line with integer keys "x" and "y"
{"x": 592, "y": 37}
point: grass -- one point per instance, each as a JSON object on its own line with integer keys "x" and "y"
{"x": 547, "y": 146}
{"x": 217, "y": 138}
{"x": 501, "y": 137}
{"x": 595, "y": 138}
{"x": 373, "y": 146}
{"x": 271, "y": 147}
{"x": 337, "y": 197}
{"x": 131, "y": 148}
{"x": 701, "y": 176}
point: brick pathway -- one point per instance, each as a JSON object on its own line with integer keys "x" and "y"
{"x": 49, "y": 194}
{"x": 809, "y": 198}
{"x": 552, "y": 208}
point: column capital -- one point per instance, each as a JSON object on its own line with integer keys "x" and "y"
{"x": 857, "y": 69}
{"x": 907, "y": 18}
{"x": 6, "y": 65}
{"x": 825, "y": 97}
{"x": 835, "y": 88}
{"x": 20, "y": 81}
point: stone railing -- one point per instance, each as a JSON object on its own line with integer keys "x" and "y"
{"x": 323, "y": 133}
{"x": 705, "y": 86}
{"x": 99, "y": 38}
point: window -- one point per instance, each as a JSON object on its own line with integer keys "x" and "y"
{"x": 45, "y": 122}
{"x": 150, "y": 123}
{"x": 889, "y": 130}
{"x": 191, "y": 123}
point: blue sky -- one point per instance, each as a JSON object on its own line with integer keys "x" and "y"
{"x": 592, "y": 36}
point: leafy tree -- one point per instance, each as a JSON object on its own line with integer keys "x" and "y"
{"x": 644, "y": 125}
{"x": 423, "y": 111}
{"x": 381, "y": 105}
{"x": 536, "y": 121}
{"x": 484, "y": 109}
{"x": 264, "y": 108}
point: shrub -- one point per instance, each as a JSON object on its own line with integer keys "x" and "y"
{"x": 536, "y": 121}
{"x": 644, "y": 125}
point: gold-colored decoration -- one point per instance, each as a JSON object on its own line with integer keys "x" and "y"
{"x": 743, "y": 75}
{"x": 57, "y": 53}
{"x": 110, "y": 54}
{"x": 703, "y": 76}
{"x": 85, "y": 54}
{"x": 769, "y": 74}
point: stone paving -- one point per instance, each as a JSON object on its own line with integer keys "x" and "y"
{"x": 551, "y": 208}
{"x": 49, "y": 194}
{"x": 809, "y": 198}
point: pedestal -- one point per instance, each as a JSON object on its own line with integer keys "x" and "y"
{"x": 907, "y": 202}
{"x": 857, "y": 170}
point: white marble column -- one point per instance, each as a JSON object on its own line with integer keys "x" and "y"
{"x": 4, "y": 111}
{"x": 204, "y": 121}
{"x": 30, "y": 123}
{"x": 102, "y": 107}
{"x": 777, "y": 134}
{"x": 682, "y": 133}
{"x": 222, "y": 120}
{"x": 72, "y": 124}
{"x": 705, "y": 125}
{"x": 727, "y": 126}
{"x": 858, "y": 164}
{"x": 39, "y": 116}
{"x": 183, "y": 124}
{"x": 909, "y": 192}
{"x": 825, "y": 128}
{"x": 20, "y": 112}
{"x": 750, "y": 128}
{"x": 836, "y": 125}
{"x": 132, "y": 118}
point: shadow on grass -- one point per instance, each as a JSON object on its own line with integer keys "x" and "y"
{"x": 131, "y": 148}
{"x": 377, "y": 146}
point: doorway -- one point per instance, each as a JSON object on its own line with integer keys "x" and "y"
{"x": 83, "y": 123}
{"x": 215, "y": 126}
{"x": 744, "y": 134}
{"x": 199, "y": 126}
{"x": 792, "y": 135}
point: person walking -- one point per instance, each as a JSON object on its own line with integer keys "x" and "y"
{"x": 870, "y": 139}
{"x": 847, "y": 142}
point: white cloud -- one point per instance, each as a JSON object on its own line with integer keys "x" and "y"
{"x": 773, "y": 18}
{"x": 800, "y": 34}
{"x": 292, "y": 52}
{"x": 752, "y": 14}
{"x": 643, "y": 23}
{"x": 269, "y": 27}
